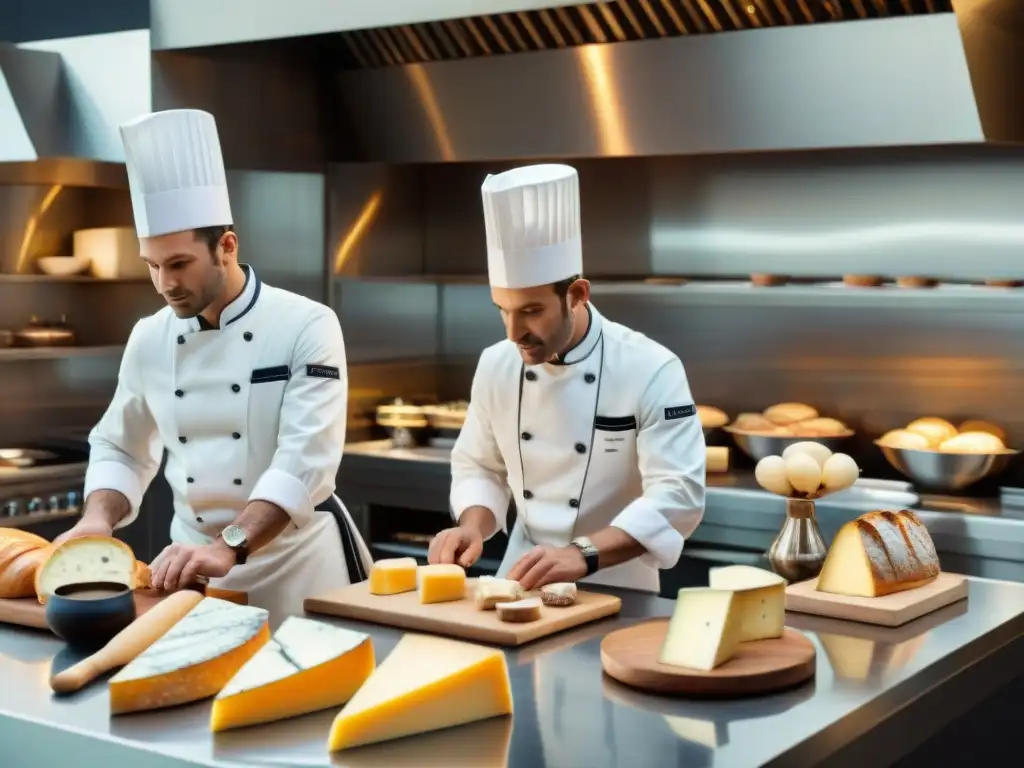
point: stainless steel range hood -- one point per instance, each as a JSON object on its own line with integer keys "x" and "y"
{"x": 44, "y": 137}
{"x": 651, "y": 77}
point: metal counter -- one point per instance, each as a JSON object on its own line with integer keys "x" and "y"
{"x": 871, "y": 683}
{"x": 978, "y": 537}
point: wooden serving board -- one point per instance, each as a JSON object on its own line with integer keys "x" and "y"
{"x": 459, "y": 618}
{"x": 29, "y": 612}
{"x": 887, "y": 611}
{"x": 631, "y": 656}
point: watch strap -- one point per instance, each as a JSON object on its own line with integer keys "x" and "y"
{"x": 590, "y": 554}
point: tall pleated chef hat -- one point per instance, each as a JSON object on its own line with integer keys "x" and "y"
{"x": 175, "y": 172}
{"x": 532, "y": 218}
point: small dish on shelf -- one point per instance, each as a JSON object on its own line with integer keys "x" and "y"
{"x": 63, "y": 266}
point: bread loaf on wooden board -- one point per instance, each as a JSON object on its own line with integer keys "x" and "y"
{"x": 25, "y": 556}
{"x": 878, "y": 554}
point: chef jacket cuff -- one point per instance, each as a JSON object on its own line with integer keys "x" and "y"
{"x": 287, "y": 492}
{"x": 478, "y": 492}
{"x": 644, "y": 522}
{"x": 115, "y": 476}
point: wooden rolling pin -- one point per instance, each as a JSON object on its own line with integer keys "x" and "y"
{"x": 127, "y": 644}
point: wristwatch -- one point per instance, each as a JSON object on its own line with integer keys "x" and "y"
{"x": 235, "y": 537}
{"x": 590, "y": 553}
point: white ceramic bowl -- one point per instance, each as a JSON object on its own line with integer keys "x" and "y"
{"x": 63, "y": 266}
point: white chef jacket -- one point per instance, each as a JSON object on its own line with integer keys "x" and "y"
{"x": 253, "y": 410}
{"x": 609, "y": 435}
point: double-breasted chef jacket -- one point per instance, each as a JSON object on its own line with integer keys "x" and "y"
{"x": 254, "y": 409}
{"x": 608, "y": 435}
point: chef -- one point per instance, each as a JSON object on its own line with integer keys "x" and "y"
{"x": 244, "y": 385}
{"x": 589, "y": 426}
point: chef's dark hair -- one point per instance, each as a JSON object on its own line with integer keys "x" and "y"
{"x": 562, "y": 286}
{"x": 212, "y": 235}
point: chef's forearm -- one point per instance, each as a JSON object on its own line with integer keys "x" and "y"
{"x": 262, "y": 522}
{"x": 107, "y": 507}
{"x": 615, "y": 546}
{"x": 480, "y": 519}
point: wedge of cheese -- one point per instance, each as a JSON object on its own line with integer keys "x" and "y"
{"x": 307, "y": 666}
{"x": 393, "y": 576}
{"x": 442, "y": 583}
{"x": 426, "y": 683}
{"x": 705, "y": 629}
{"x": 760, "y": 596}
{"x": 194, "y": 660}
{"x": 86, "y": 559}
{"x": 878, "y": 554}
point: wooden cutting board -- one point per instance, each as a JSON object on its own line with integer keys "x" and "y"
{"x": 460, "y": 618}
{"x": 630, "y": 656}
{"x": 888, "y": 611}
{"x": 29, "y": 612}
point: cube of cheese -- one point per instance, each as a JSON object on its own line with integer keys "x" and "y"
{"x": 704, "y": 631}
{"x": 442, "y": 583}
{"x": 760, "y": 596}
{"x": 393, "y": 576}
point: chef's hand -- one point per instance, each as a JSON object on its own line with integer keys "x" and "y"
{"x": 548, "y": 565}
{"x": 85, "y": 527}
{"x": 179, "y": 565}
{"x": 456, "y": 545}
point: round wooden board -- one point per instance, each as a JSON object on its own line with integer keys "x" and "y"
{"x": 631, "y": 656}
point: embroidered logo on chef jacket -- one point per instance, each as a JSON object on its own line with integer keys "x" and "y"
{"x": 323, "y": 372}
{"x": 680, "y": 412}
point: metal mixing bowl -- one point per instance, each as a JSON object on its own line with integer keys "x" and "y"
{"x": 759, "y": 446}
{"x": 945, "y": 471}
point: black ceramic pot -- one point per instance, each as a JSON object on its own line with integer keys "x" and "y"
{"x": 86, "y": 616}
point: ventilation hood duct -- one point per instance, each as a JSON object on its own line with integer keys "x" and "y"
{"x": 41, "y": 141}
{"x": 650, "y": 77}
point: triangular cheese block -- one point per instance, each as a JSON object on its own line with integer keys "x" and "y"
{"x": 425, "y": 684}
{"x": 194, "y": 660}
{"x": 306, "y": 667}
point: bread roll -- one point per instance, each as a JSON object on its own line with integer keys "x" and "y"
{"x": 711, "y": 417}
{"x": 977, "y": 425}
{"x": 973, "y": 442}
{"x": 820, "y": 427}
{"x": 935, "y": 430}
{"x": 785, "y": 414}
{"x": 901, "y": 438}
{"x": 754, "y": 423}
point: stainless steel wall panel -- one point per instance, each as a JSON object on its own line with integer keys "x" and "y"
{"x": 375, "y": 220}
{"x": 387, "y": 320}
{"x": 280, "y": 222}
{"x": 469, "y": 321}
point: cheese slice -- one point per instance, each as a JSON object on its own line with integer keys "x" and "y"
{"x": 760, "y": 596}
{"x": 86, "y": 559}
{"x": 426, "y": 683}
{"x": 393, "y": 576}
{"x": 306, "y": 667}
{"x": 194, "y": 660}
{"x": 704, "y": 631}
{"x": 442, "y": 583}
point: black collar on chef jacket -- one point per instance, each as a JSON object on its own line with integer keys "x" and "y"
{"x": 239, "y": 307}
{"x": 581, "y": 350}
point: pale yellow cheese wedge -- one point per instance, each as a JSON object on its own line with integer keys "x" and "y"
{"x": 705, "y": 630}
{"x": 194, "y": 660}
{"x": 426, "y": 683}
{"x": 306, "y": 667}
{"x": 760, "y": 597}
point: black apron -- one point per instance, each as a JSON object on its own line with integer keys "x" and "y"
{"x": 354, "y": 563}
